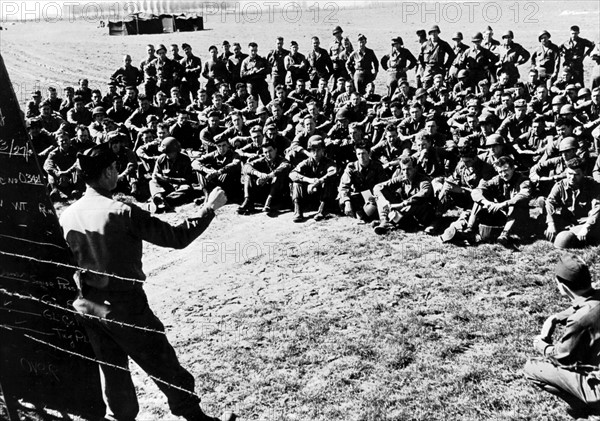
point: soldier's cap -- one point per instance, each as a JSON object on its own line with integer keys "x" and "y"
{"x": 473, "y": 102}
{"x": 94, "y": 160}
{"x": 434, "y": 28}
{"x": 572, "y": 271}
{"x": 112, "y": 83}
{"x": 397, "y": 40}
{"x": 489, "y": 29}
{"x": 508, "y": 34}
{"x": 36, "y": 93}
{"x": 568, "y": 143}
{"x": 403, "y": 82}
{"x": 256, "y": 129}
{"x": 544, "y": 32}
{"x": 574, "y": 28}
{"x": 477, "y": 37}
{"x": 462, "y": 74}
{"x": 240, "y": 85}
{"x": 225, "y": 42}
{"x": 420, "y": 92}
{"x": 385, "y": 99}
{"x": 98, "y": 111}
{"x": 212, "y": 47}
{"x": 566, "y": 240}
{"x": 261, "y": 110}
{"x": 493, "y": 140}
{"x": 583, "y": 92}
{"x": 161, "y": 47}
{"x": 486, "y": 118}
{"x": 315, "y": 142}
{"x": 150, "y": 118}
{"x": 391, "y": 128}
{"x": 69, "y": 89}
{"x": 269, "y": 127}
{"x": 214, "y": 114}
{"x": 361, "y": 37}
{"x": 457, "y": 35}
{"x": 571, "y": 87}
{"x": 169, "y": 145}
{"x": 567, "y": 109}
{"x": 519, "y": 84}
{"x": 293, "y": 43}
{"x": 116, "y": 137}
{"x": 558, "y": 100}
{"x": 336, "y": 30}
{"x": 45, "y": 103}
{"x": 33, "y": 122}
{"x": 342, "y": 114}
{"x": 421, "y": 32}
{"x": 520, "y": 103}
{"x": 185, "y": 46}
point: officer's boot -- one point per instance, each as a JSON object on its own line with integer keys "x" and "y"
{"x": 322, "y": 212}
{"x": 298, "y": 215}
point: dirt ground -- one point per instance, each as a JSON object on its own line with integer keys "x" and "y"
{"x": 326, "y": 320}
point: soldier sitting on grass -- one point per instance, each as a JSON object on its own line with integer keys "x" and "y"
{"x": 266, "y": 176}
{"x": 406, "y": 200}
{"x": 569, "y": 366}
{"x": 572, "y": 209}
{"x": 502, "y": 201}
{"x": 315, "y": 176}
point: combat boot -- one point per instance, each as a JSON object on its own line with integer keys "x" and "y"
{"x": 298, "y": 215}
{"x": 246, "y": 207}
{"x": 321, "y": 213}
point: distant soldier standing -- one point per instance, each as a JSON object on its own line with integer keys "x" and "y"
{"x": 574, "y": 51}
{"x": 396, "y": 64}
{"x": 363, "y": 65}
{"x": 336, "y": 49}
{"x": 276, "y": 59}
{"x": 254, "y": 71}
{"x": 436, "y": 56}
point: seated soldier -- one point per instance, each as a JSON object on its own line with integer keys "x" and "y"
{"x": 208, "y": 134}
{"x": 42, "y": 141}
{"x": 428, "y": 157}
{"x": 315, "y": 176}
{"x": 297, "y": 152}
{"x": 355, "y": 192}
{"x": 406, "y": 200}
{"x": 127, "y": 181}
{"x": 572, "y": 208}
{"x": 456, "y": 189}
{"x": 389, "y": 150}
{"x": 172, "y": 179}
{"x": 220, "y": 168}
{"x": 61, "y": 166}
{"x": 237, "y": 134}
{"x": 410, "y": 126}
{"x": 545, "y": 173}
{"x": 266, "y": 176}
{"x": 502, "y": 200}
{"x": 253, "y": 149}
{"x": 496, "y": 148}
{"x": 82, "y": 139}
{"x": 568, "y": 367}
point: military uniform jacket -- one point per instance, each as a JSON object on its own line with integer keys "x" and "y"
{"x": 180, "y": 167}
{"x": 312, "y": 169}
{"x": 470, "y": 177}
{"x": 417, "y": 191}
{"x": 436, "y": 54}
{"x": 254, "y": 69}
{"x": 276, "y": 60}
{"x": 574, "y": 204}
{"x": 362, "y": 62}
{"x": 547, "y": 58}
{"x": 575, "y": 51}
{"x": 320, "y": 64}
{"x": 278, "y": 166}
{"x": 214, "y": 161}
{"x": 356, "y": 179}
{"x": 516, "y": 191}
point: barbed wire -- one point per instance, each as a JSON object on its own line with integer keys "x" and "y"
{"x": 85, "y": 357}
{"x": 83, "y": 270}
{"x": 91, "y": 316}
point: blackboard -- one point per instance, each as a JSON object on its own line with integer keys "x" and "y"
{"x": 39, "y": 333}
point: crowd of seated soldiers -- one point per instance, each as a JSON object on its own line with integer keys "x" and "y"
{"x": 468, "y": 138}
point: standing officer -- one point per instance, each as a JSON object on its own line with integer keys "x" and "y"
{"x": 320, "y": 63}
{"x": 336, "y": 50}
{"x": 574, "y": 51}
{"x": 436, "y": 56}
{"x": 569, "y": 366}
{"x": 276, "y": 59}
{"x": 254, "y": 70}
{"x": 363, "y": 65}
{"x": 396, "y": 64}
{"x": 106, "y": 238}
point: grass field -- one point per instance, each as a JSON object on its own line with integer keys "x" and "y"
{"x": 327, "y": 321}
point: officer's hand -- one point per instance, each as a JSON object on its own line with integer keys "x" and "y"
{"x": 540, "y": 344}
{"x": 550, "y": 233}
{"x": 216, "y": 199}
{"x": 582, "y": 235}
